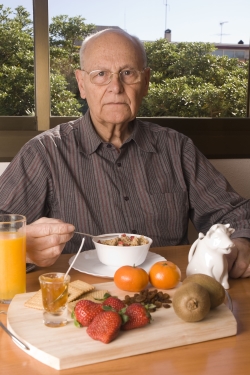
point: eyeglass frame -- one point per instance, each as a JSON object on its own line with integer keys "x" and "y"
{"x": 112, "y": 73}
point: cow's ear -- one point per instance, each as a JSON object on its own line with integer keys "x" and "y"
{"x": 227, "y": 225}
{"x": 231, "y": 230}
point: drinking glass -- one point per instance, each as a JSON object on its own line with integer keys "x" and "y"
{"x": 54, "y": 286}
{"x": 12, "y": 256}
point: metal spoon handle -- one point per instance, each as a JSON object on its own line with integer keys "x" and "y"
{"x": 110, "y": 235}
{"x": 14, "y": 338}
{"x": 86, "y": 234}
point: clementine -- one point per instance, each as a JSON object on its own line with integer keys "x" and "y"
{"x": 164, "y": 275}
{"x": 131, "y": 278}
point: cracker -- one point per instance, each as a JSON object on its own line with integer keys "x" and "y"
{"x": 35, "y": 301}
{"x": 95, "y": 296}
{"x": 79, "y": 284}
{"x": 74, "y": 293}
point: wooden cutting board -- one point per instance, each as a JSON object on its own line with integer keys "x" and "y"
{"x": 67, "y": 347}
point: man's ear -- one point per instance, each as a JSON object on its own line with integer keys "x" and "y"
{"x": 146, "y": 78}
{"x": 79, "y": 78}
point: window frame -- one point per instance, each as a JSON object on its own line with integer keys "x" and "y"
{"x": 215, "y": 137}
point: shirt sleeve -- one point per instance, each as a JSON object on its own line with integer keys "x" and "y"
{"x": 26, "y": 186}
{"x": 211, "y": 198}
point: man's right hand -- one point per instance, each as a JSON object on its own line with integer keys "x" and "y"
{"x": 46, "y": 239}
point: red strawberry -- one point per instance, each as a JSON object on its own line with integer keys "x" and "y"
{"x": 85, "y": 311}
{"x": 105, "y": 326}
{"x": 114, "y": 302}
{"x": 138, "y": 316}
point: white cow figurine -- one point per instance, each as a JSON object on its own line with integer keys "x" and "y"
{"x": 207, "y": 254}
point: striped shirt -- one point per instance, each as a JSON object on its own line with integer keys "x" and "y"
{"x": 151, "y": 186}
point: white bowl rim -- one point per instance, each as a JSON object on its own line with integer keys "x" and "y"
{"x": 95, "y": 239}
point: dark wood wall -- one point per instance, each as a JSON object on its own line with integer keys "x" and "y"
{"x": 217, "y": 138}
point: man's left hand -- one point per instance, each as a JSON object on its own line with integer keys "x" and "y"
{"x": 239, "y": 258}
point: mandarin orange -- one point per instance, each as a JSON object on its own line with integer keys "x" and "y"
{"x": 164, "y": 275}
{"x": 131, "y": 278}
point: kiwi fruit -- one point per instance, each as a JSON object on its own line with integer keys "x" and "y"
{"x": 215, "y": 289}
{"x": 191, "y": 302}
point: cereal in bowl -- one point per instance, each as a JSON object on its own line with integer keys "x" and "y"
{"x": 125, "y": 240}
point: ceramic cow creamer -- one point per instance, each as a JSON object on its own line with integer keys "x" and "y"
{"x": 207, "y": 254}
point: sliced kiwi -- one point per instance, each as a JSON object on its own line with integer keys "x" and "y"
{"x": 214, "y": 288}
{"x": 191, "y": 302}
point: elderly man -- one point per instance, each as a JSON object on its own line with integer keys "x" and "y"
{"x": 110, "y": 172}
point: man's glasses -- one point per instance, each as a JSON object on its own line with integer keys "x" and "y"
{"x": 103, "y": 77}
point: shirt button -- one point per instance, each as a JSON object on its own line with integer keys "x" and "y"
{"x": 134, "y": 231}
{"x": 109, "y": 145}
{"x": 126, "y": 198}
{"x": 119, "y": 164}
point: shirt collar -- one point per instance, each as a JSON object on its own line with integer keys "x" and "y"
{"x": 89, "y": 140}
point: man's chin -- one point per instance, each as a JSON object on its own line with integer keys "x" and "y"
{"x": 116, "y": 118}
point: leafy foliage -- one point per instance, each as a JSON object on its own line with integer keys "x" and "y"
{"x": 188, "y": 81}
{"x": 17, "y": 63}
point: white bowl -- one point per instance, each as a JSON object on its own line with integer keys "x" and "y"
{"x": 118, "y": 256}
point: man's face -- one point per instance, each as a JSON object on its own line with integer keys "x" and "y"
{"x": 116, "y": 102}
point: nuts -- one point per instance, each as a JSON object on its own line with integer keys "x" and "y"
{"x": 152, "y": 298}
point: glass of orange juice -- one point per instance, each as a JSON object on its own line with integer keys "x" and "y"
{"x": 54, "y": 287}
{"x": 12, "y": 256}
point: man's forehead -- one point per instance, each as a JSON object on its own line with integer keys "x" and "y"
{"x": 111, "y": 49}
{"x": 109, "y": 41}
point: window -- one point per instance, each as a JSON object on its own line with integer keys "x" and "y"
{"x": 229, "y": 135}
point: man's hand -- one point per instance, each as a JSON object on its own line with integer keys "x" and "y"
{"x": 239, "y": 258}
{"x": 46, "y": 239}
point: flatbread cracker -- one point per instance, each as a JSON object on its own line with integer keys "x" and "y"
{"x": 35, "y": 301}
{"x": 79, "y": 284}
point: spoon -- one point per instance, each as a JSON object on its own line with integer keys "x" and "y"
{"x": 78, "y": 252}
{"x": 99, "y": 236}
{"x": 66, "y": 274}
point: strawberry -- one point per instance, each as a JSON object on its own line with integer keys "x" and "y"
{"x": 105, "y": 326}
{"x": 114, "y": 302}
{"x": 138, "y": 316}
{"x": 85, "y": 311}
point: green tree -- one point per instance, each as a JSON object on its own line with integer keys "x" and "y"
{"x": 17, "y": 64}
{"x": 187, "y": 80}
{"x": 66, "y": 35}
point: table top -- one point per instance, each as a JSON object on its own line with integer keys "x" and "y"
{"x": 218, "y": 357}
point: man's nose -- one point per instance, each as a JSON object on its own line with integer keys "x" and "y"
{"x": 116, "y": 83}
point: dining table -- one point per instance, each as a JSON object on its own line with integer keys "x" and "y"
{"x": 224, "y": 356}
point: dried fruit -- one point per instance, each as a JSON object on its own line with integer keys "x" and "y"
{"x": 131, "y": 278}
{"x": 151, "y": 298}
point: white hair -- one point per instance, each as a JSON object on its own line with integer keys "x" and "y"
{"x": 133, "y": 38}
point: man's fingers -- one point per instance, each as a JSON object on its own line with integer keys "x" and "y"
{"x": 46, "y": 239}
{"x": 47, "y": 242}
{"x": 46, "y": 229}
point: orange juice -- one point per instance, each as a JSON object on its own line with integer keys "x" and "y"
{"x": 12, "y": 264}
